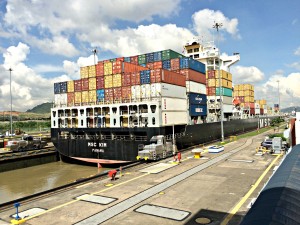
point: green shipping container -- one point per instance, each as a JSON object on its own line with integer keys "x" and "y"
{"x": 224, "y": 91}
{"x": 170, "y": 54}
{"x": 141, "y": 59}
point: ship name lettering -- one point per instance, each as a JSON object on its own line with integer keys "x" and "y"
{"x": 95, "y": 144}
{"x": 97, "y": 150}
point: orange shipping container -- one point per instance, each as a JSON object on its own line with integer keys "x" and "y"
{"x": 134, "y": 60}
{"x": 157, "y": 65}
{"x": 108, "y": 81}
{"x": 211, "y": 91}
{"x": 85, "y": 97}
{"x": 109, "y": 94}
{"x": 135, "y": 78}
{"x": 175, "y": 64}
{"x": 92, "y": 83}
{"x": 78, "y": 97}
{"x": 126, "y": 92}
{"x": 71, "y": 99}
{"x": 116, "y": 67}
{"x": 116, "y": 80}
{"x": 99, "y": 83}
{"x": 71, "y": 86}
{"x": 169, "y": 77}
{"x": 85, "y": 84}
{"x": 100, "y": 69}
{"x": 92, "y": 96}
{"x": 92, "y": 71}
{"x": 150, "y": 66}
{"x": 117, "y": 93}
{"x": 126, "y": 79}
{"x": 193, "y": 75}
{"x": 132, "y": 68}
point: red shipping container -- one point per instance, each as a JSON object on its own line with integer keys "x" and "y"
{"x": 211, "y": 91}
{"x": 134, "y": 60}
{"x": 116, "y": 67}
{"x": 106, "y": 61}
{"x": 166, "y": 76}
{"x": 241, "y": 98}
{"x": 120, "y": 59}
{"x": 109, "y": 94}
{"x": 117, "y": 93}
{"x": 175, "y": 64}
{"x": 211, "y": 74}
{"x": 126, "y": 92}
{"x": 150, "y": 66}
{"x": 135, "y": 78}
{"x": 249, "y": 105}
{"x": 99, "y": 82}
{"x": 261, "y": 111}
{"x": 70, "y": 99}
{"x": 130, "y": 68}
{"x": 100, "y": 69}
{"x": 157, "y": 65}
{"x": 126, "y": 79}
{"x": 85, "y": 84}
{"x": 77, "y": 85}
{"x": 193, "y": 75}
{"x": 252, "y": 111}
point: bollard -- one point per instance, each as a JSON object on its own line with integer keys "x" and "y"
{"x": 17, "y": 205}
{"x": 121, "y": 171}
{"x": 179, "y": 156}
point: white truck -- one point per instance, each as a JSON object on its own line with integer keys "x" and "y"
{"x": 159, "y": 148}
{"x": 25, "y": 143}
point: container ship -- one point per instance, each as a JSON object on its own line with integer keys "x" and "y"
{"x": 117, "y": 105}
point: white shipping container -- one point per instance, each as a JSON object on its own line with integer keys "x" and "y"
{"x": 146, "y": 90}
{"x": 227, "y": 108}
{"x": 225, "y": 99}
{"x": 136, "y": 91}
{"x": 173, "y": 118}
{"x": 192, "y": 86}
{"x": 173, "y": 104}
{"x": 61, "y": 99}
{"x": 167, "y": 90}
{"x": 256, "y": 106}
{"x": 257, "y": 111}
{"x": 265, "y": 111}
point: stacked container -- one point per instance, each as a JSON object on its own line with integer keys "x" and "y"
{"x": 245, "y": 94}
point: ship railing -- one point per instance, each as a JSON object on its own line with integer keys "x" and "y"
{"x": 105, "y": 137}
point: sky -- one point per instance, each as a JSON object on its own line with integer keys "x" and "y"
{"x": 44, "y": 42}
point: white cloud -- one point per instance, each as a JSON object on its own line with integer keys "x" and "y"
{"x": 204, "y": 20}
{"x": 297, "y": 51}
{"x": 72, "y": 69}
{"x": 295, "y": 65}
{"x": 47, "y": 68}
{"x": 246, "y": 75}
{"x": 15, "y": 54}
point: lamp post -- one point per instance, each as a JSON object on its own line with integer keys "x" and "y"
{"x": 10, "y": 69}
{"x": 278, "y": 97}
{"x": 95, "y": 51}
{"x": 217, "y": 26}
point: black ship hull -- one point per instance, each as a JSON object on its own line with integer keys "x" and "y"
{"x": 121, "y": 145}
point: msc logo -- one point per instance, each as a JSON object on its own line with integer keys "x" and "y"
{"x": 264, "y": 122}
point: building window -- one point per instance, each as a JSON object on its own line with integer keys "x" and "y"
{"x": 196, "y": 56}
{"x": 189, "y": 50}
{"x": 196, "y": 49}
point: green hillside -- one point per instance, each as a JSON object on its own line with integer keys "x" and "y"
{"x": 41, "y": 109}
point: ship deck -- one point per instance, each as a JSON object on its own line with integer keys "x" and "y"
{"x": 217, "y": 188}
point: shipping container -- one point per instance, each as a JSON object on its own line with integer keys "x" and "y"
{"x": 150, "y": 57}
{"x": 225, "y": 99}
{"x": 224, "y": 91}
{"x": 211, "y": 82}
{"x": 198, "y": 110}
{"x": 100, "y": 69}
{"x": 134, "y": 60}
{"x": 142, "y": 59}
{"x": 157, "y": 65}
{"x": 126, "y": 93}
{"x": 99, "y": 83}
{"x": 84, "y": 97}
{"x": 107, "y": 68}
{"x": 117, "y": 67}
{"x": 192, "y": 86}
{"x": 249, "y": 99}
{"x": 126, "y": 79}
{"x": 117, "y": 93}
{"x": 167, "y": 90}
{"x": 150, "y": 65}
{"x": 135, "y": 78}
{"x": 166, "y": 64}
{"x": 100, "y": 95}
{"x": 197, "y": 99}
{"x": 77, "y": 85}
{"x": 157, "y": 57}
{"x": 170, "y": 54}
{"x": 211, "y": 91}
{"x": 92, "y": 71}
{"x": 145, "y": 91}
{"x": 227, "y": 108}
{"x": 70, "y": 99}
{"x": 85, "y": 84}
{"x": 56, "y": 88}
{"x": 173, "y": 118}
{"x": 224, "y": 83}
{"x": 92, "y": 83}
{"x": 61, "y": 99}
{"x": 63, "y": 86}
{"x": 77, "y": 97}
{"x": 145, "y": 77}
{"x": 261, "y": 111}
{"x": 249, "y": 105}
{"x": 130, "y": 68}
{"x": 109, "y": 95}
{"x": 120, "y": 59}
{"x": 127, "y": 59}
{"x": 189, "y": 63}
{"x": 166, "y": 76}
{"x": 136, "y": 92}
{"x": 194, "y": 75}
{"x": 173, "y": 104}
{"x": 93, "y": 96}
{"x": 70, "y": 86}
{"x": 84, "y": 72}
{"x": 249, "y": 93}
{"x": 211, "y": 74}
{"x": 108, "y": 81}
{"x": 117, "y": 80}
{"x": 175, "y": 64}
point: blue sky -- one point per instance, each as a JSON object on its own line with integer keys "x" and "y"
{"x": 47, "y": 41}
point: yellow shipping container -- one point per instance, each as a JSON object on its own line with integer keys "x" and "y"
{"x": 107, "y": 68}
{"x": 249, "y": 99}
{"x": 224, "y": 83}
{"x": 241, "y": 93}
{"x": 242, "y": 104}
{"x": 229, "y": 84}
{"x": 235, "y": 93}
{"x": 249, "y": 93}
{"x": 92, "y": 71}
{"x": 92, "y": 96}
{"x": 70, "y": 86}
{"x": 84, "y": 72}
{"x": 92, "y": 83}
{"x": 84, "y": 96}
{"x": 117, "y": 80}
{"x": 236, "y": 87}
{"x": 229, "y": 76}
{"x": 77, "y": 97}
{"x": 211, "y": 82}
{"x": 248, "y": 87}
{"x": 263, "y": 102}
{"x": 108, "y": 81}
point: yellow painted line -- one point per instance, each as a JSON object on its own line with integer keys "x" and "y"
{"x": 76, "y": 200}
{"x": 239, "y": 205}
{"x": 83, "y": 185}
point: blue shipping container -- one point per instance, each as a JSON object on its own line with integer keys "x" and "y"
{"x": 157, "y": 56}
{"x": 64, "y": 87}
{"x": 145, "y": 77}
{"x": 198, "y": 110}
{"x": 166, "y": 64}
{"x": 100, "y": 95}
{"x": 56, "y": 88}
{"x": 127, "y": 59}
{"x": 149, "y": 57}
{"x": 189, "y": 63}
{"x": 198, "y": 99}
